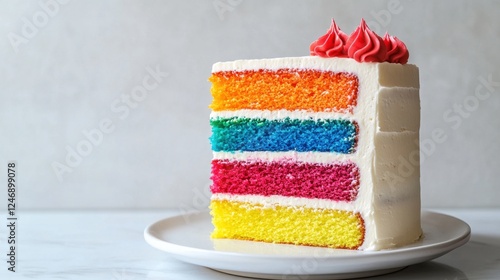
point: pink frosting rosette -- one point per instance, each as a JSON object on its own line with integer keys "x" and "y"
{"x": 332, "y": 44}
{"x": 363, "y": 45}
{"x": 396, "y": 50}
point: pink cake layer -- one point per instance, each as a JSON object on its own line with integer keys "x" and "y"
{"x": 336, "y": 181}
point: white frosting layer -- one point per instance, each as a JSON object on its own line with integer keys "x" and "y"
{"x": 309, "y": 157}
{"x": 391, "y": 74}
{"x": 274, "y": 200}
{"x": 280, "y": 114}
{"x": 388, "y": 116}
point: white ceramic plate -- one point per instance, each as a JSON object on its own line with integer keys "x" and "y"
{"x": 187, "y": 238}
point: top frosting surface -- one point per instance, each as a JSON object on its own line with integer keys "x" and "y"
{"x": 363, "y": 45}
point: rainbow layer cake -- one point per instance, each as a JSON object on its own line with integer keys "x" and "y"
{"x": 309, "y": 150}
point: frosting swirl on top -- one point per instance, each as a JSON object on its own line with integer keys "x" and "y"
{"x": 396, "y": 50}
{"x": 332, "y": 44}
{"x": 365, "y": 46}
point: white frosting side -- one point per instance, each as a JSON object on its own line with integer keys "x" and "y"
{"x": 398, "y": 109}
{"x": 387, "y": 114}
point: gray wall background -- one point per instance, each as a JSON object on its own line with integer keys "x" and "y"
{"x": 72, "y": 68}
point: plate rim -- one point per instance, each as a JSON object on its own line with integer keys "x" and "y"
{"x": 185, "y": 253}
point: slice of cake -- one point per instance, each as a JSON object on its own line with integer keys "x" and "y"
{"x": 308, "y": 150}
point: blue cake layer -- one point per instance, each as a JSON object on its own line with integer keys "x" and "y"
{"x": 245, "y": 134}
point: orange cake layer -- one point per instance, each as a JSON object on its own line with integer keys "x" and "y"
{"x": 288, "y": 89}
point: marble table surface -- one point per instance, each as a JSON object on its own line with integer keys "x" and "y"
{"x": 110, "y": 245}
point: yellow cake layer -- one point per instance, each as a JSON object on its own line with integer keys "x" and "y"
{"x": 284, "y": 89}
{"x": 292, "y": 225}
